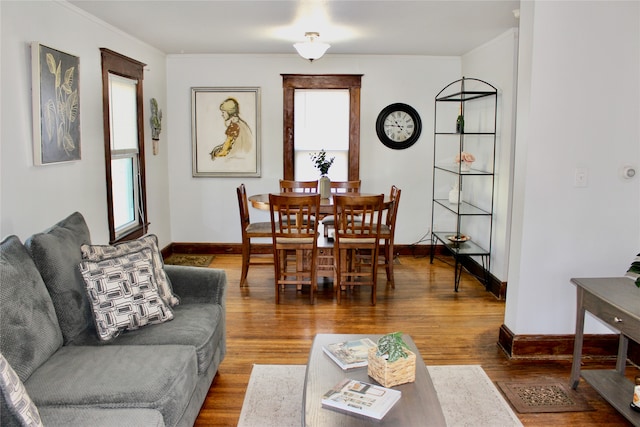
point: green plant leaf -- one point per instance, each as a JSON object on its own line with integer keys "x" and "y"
{"x": 392, "y": 345}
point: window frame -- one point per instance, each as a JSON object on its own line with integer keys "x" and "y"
{"x": 291, "y": 82}
{"x": 115, "y": 63}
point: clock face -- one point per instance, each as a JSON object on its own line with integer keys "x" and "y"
{"x": 398, "y": 126}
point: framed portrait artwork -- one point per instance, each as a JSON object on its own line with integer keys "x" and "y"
{"x": 56, "y": 105}
{"x": 225, "y": 131}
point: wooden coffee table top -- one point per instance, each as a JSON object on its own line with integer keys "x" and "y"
{"x": 419, "y": 404}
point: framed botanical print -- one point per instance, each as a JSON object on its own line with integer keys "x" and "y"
{"x": 225, "y": 131}
{"x": 56, "y": 105}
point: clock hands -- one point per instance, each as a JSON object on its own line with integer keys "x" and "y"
{"x": 403, "y": 129}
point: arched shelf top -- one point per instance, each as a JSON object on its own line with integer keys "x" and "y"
{"x": 466, "y": 89}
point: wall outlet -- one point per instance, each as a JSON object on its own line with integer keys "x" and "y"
{"x": 580, "y": 177}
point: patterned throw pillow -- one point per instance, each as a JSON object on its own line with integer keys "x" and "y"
{"x": 123, "y": 293}
{"x": 101, "y": 252}
{"x": 15, "y": 396}
{"x": 634, "y": 271}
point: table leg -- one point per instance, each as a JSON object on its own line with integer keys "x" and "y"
{"x": 621, "y": 361}
{"x": 577, "y": 344}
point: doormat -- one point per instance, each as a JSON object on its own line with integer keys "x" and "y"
{"x": 190, "y": 260}
{"x": 532, "y": 397}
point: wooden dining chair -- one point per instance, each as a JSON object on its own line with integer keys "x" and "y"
{"x": 357, "y": 235}
{"x": 338, "y": 187}
{"x": 387, "y": 234}
{"x": 250, "y": 230}
{"x": 345, "y": 186}
{"x": 299, "y": 237}
{"x": 307, "y": 187}
{"x": 288, "y": 186}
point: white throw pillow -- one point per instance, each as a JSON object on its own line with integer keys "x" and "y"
{"x": 123, "y": 293}
{"x": 16, "y": 397}
{"x": 101, "y": 252}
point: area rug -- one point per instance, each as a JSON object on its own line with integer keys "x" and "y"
{"x": 541, "y": 396}
{"x": 467, "y": 396}
{"x": 189, "y": 259}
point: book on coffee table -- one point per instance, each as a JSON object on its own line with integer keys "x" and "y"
{"x": 350, "y": 354}
{"x": 361, "y": 398}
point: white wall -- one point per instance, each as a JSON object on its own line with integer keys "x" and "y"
{"x": 496, "y": 63}
{"x": 578, "y": 106}
{"x": 182, "y": 208}
{"x": 35, "y": 197}
{"x": 205, "y": 209}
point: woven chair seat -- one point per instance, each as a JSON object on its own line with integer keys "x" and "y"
{"x": 260, "y": 228}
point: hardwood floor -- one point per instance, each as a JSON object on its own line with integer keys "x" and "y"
{"x": 449, "y": 329}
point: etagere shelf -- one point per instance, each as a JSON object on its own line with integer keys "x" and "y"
{"x": 465, "y": 121}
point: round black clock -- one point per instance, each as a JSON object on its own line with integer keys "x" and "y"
{"x": 398, "y": 126}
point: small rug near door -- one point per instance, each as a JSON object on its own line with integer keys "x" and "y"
{"x": 466, "y": 394}
{"x": 189, "y": 259}
{"x": 541, "y": 396}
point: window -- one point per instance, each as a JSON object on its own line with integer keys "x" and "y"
{"x": 321, "y": 121}
{"x": 124, "y": 146}
{"x": 298, "y": 86}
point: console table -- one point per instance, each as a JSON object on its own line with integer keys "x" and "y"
{"x": 616, "y": 301}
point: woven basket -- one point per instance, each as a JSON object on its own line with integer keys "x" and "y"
{"x": 390, "y": 374}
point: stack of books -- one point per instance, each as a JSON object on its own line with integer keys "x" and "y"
{"x": 350, "y": 354}
{"x": 361, "y": 398}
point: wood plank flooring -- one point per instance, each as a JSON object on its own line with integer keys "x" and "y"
{"x": 449, "y": 329}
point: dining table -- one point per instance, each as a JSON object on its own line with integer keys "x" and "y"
{"x": 261, "y": 201}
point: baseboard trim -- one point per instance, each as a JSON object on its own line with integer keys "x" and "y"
{"x": 595, "y": 346}
{"x": 495, "y": 286}
{"x": 236, "y": 249}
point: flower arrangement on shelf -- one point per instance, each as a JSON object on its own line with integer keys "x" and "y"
{"x": 320, "y": 161}
{"x": 465, "y": 157}
{"x": 465, "y": 160}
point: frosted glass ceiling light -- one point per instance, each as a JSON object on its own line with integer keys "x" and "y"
{"x": 311, "y": 49}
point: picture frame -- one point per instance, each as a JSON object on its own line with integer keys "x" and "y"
{"x": 56, "y": 105}
{"x": 225, "y": 131}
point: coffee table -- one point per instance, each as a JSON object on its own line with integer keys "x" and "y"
{"x": 418, "y": 406}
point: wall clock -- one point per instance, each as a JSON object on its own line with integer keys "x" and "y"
{"x": 398, "y": 126}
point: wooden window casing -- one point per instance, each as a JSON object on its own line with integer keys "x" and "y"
{"x": 115, "y": 63}
{"x": 291, "y": 82}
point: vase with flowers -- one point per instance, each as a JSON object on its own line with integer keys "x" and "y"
{"x": 465, "y": 160}
{"x": 323, "y": 164}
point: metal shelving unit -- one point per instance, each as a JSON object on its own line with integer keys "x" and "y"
{"x": 455, "y": 217}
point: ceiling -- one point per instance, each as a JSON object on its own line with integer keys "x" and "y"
{"x": 376, "y": 27}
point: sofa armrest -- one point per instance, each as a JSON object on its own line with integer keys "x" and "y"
{"x": 197, "y": 284}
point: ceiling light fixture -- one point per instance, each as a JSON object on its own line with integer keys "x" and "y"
{"x": 311, "y": 49}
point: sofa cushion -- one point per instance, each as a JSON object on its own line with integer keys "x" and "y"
{"x": 200, "y": 326}
{"x": 123, "y": 293}
{"x": 56, "y": 253}
{"x": 94, "y": 377}
{"x": 29, "y": 331}
{"x": 16, "y": 406}
{"x": 100, "y": 417}
{"x": 100, "y": 252}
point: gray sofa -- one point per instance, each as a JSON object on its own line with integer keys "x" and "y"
{"x": 157, "y": 375}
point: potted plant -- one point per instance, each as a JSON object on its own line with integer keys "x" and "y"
{"x": 322, "y": 164}
{"x": 391, "y": 362}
